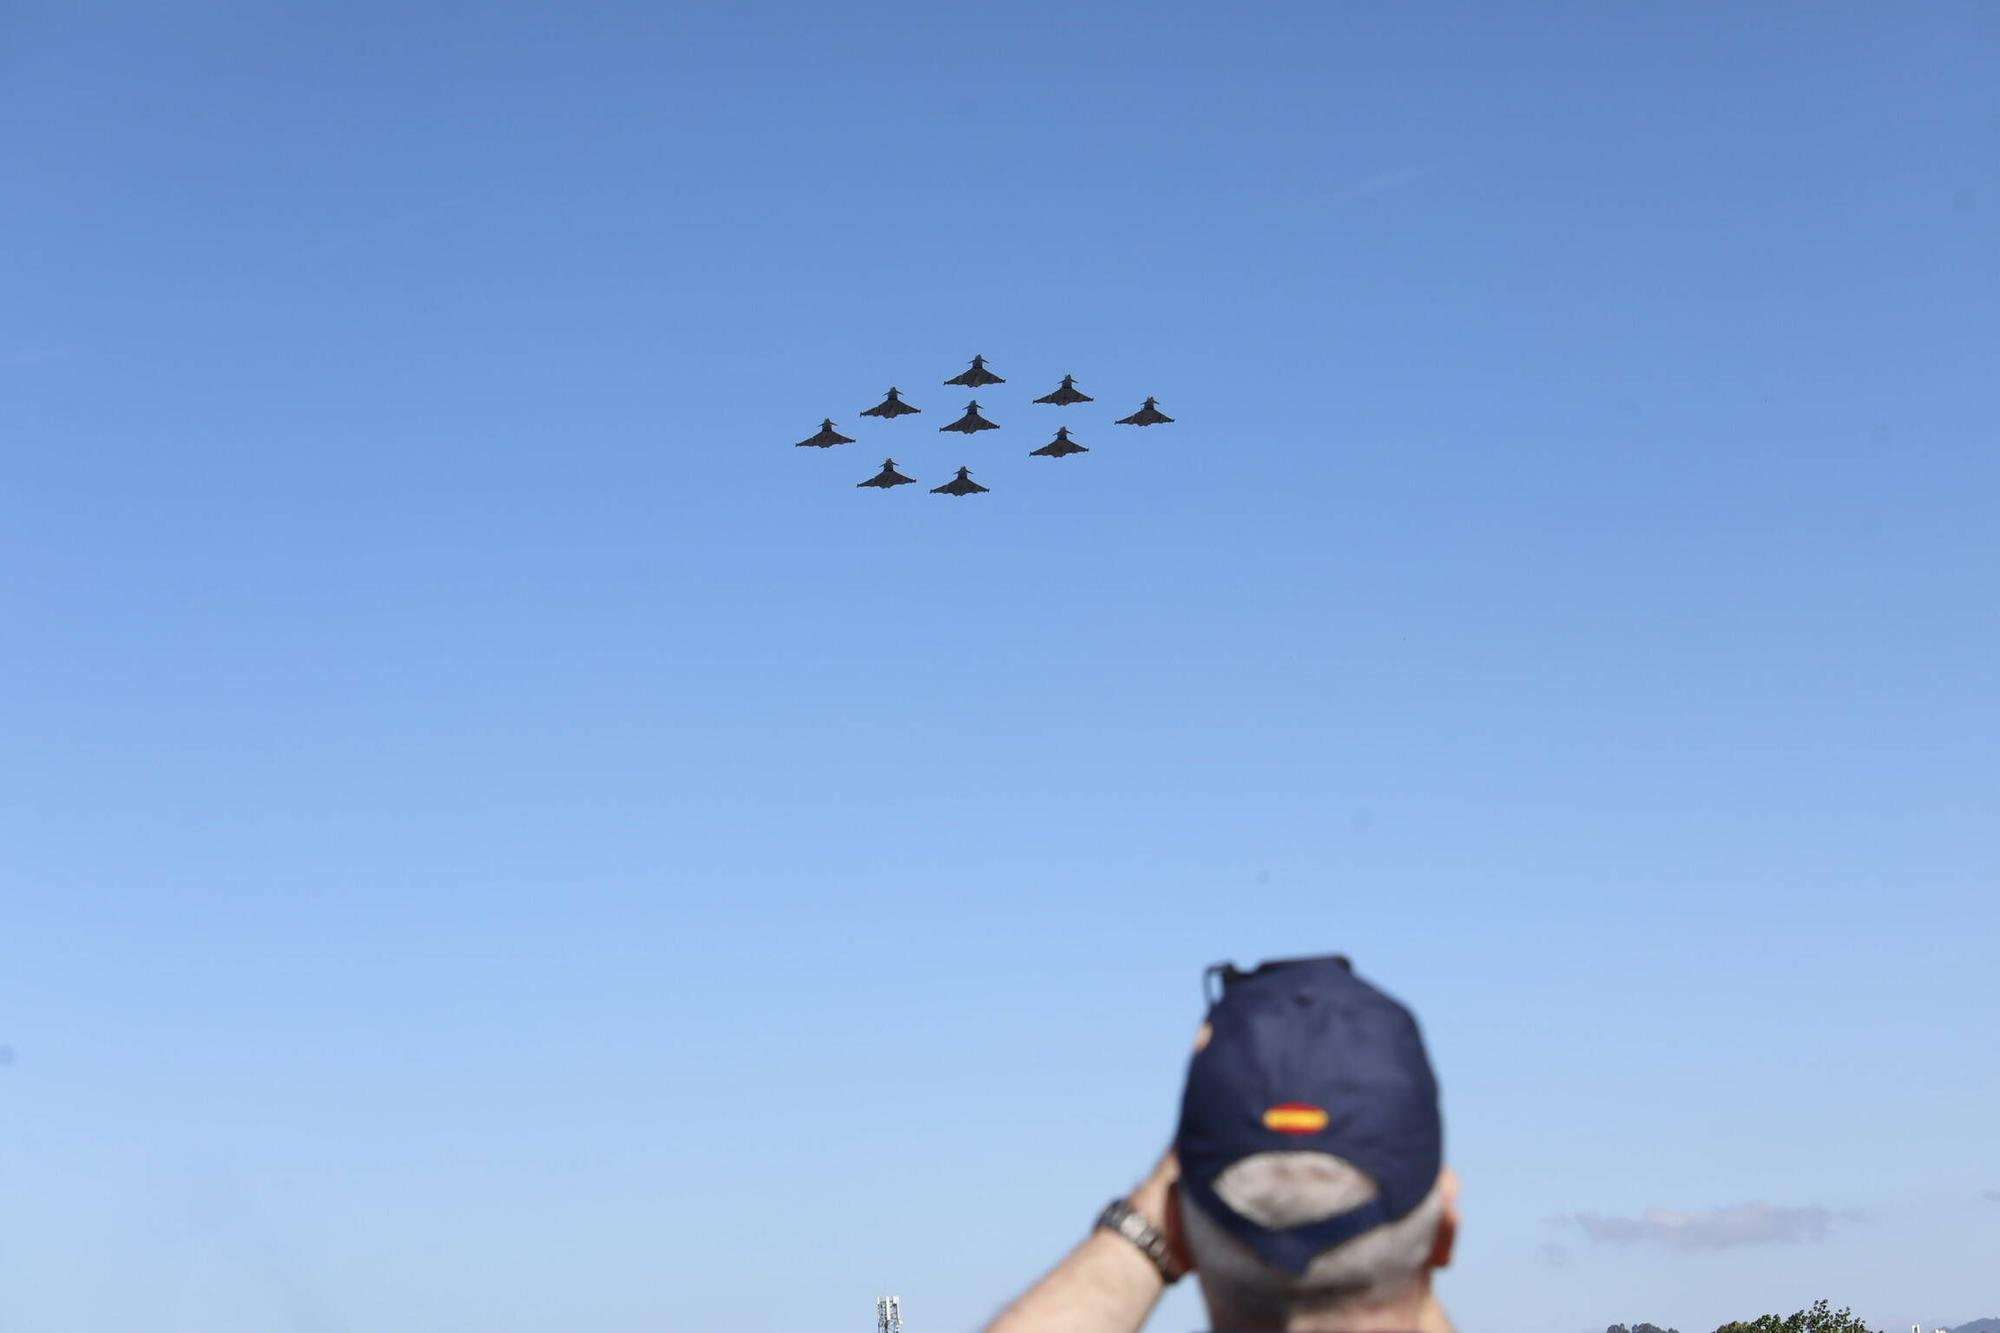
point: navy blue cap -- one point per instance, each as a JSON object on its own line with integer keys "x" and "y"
{"x": 1304, "y": 1056}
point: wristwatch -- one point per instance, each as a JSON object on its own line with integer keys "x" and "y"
{"x": 1123, "y": 1218}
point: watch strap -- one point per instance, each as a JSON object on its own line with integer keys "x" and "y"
{"x": 1121, "y": 1217}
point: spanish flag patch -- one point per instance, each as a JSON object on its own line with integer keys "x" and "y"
{"x": 1295, "y": 1118}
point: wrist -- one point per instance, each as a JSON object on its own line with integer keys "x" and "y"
{"x": 1147, "y": 1239}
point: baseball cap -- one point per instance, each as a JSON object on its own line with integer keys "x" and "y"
{"x": 1302, "y": 1055}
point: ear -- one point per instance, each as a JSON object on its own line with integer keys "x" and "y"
{"x": 1176, "y": 1230}
{"x": 1447, "y": 1232}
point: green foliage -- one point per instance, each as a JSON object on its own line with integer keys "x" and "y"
{"x": 1819, "y": 1319}
{"x": 1640, "y": 1328}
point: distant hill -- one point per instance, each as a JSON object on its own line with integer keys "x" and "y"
{"x": 1978, "y": 1326}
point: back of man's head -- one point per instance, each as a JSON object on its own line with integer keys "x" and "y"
{"x": 1313, "y": 1189}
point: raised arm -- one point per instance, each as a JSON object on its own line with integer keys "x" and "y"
{"x": 1105, "y": 1284}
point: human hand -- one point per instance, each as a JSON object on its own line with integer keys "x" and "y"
{"x": 1157, "y": 1199}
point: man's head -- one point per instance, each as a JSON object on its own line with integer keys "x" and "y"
{"x": 1313, "y": 1188}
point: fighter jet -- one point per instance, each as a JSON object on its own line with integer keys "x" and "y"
{"x": 971, "y": 421}
{"x": 1059, "y": 447}
{"x": 887, "y": 477}
{"x": 976, "y": 376}
{"x": 1149, "y": 415}
{"x": 827, "y": 437}
{"x": 892, "y": 406}
{"x": 1066, "y": 395}
{"x": 962, "y": 484}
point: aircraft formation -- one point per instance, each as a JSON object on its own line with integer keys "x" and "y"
{"x": 971, "y": 422}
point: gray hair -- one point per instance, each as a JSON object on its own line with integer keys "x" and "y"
{"x": 1284, "y": 1189}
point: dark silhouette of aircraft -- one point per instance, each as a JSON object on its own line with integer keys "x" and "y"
{"x": 827, "y": 437}
{"x": 887, "y": 477}
{"x": 1067, "y": 394}
{"x": 976, "y": 376}
{"x": 1149, "y": 415}
{"x": 962, "y": 484}
{"x": 892, "y": 406}
{"x": 1061, "y": 446}
{"x": 971, "y": 421}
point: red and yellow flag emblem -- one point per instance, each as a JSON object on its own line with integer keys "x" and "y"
{"x": 1295, "y": 1118}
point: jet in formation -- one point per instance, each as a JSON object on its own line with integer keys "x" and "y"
{"x": 1149, "y": 415}
{"x": 976, "y": 376}
{"x": 827, "y": 437}
{"x": 887, "y": 477}
{"x": 971, "y": 422}
{"x": 962, "y": 484}
{"x": 892, "y": 406}
{"x": 1060, "y": 447}
{"x": 1066, "y": 394}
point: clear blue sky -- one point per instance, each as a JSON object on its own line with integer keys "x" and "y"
{"x": 492, "y": 838}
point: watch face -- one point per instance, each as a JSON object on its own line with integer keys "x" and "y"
{"x": 1127, "y": 1222}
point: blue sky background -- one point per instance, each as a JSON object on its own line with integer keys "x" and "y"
{"x": 493, "y": 838}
